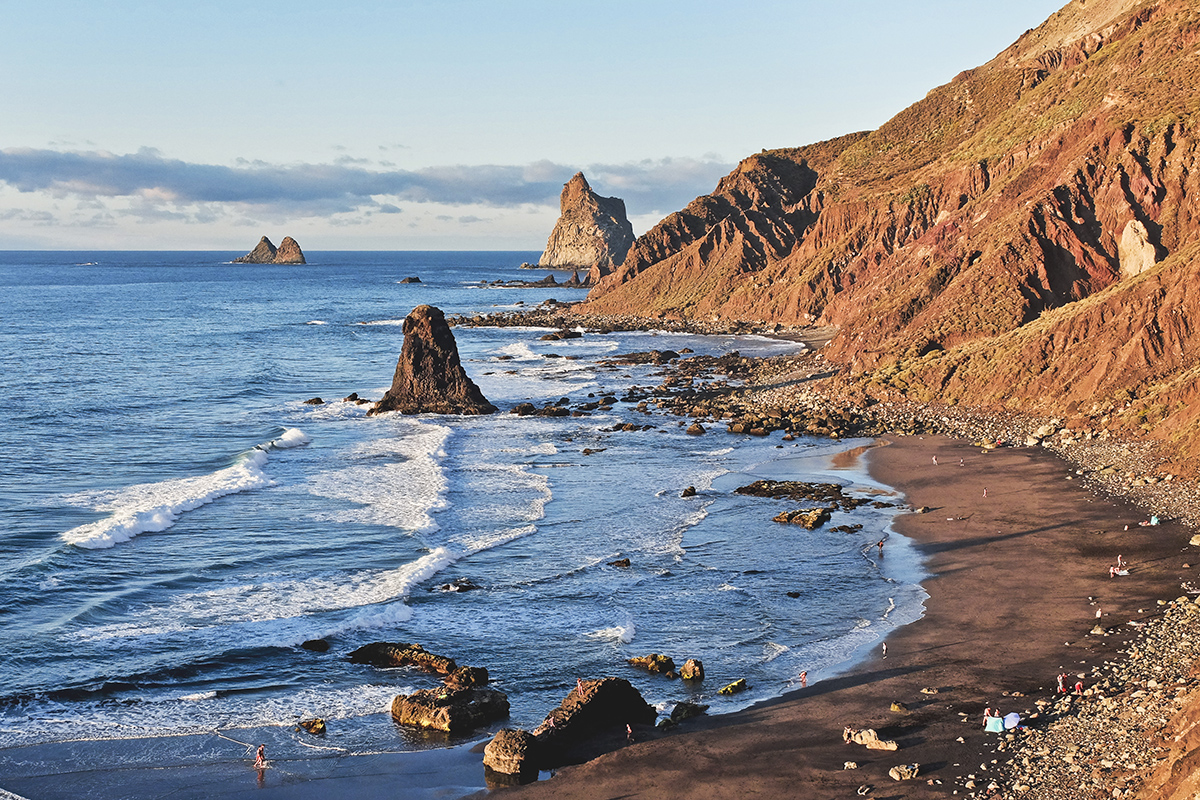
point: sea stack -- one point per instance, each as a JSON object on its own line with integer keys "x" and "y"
{"x": 429, "y": 377}
{"x": 264, "y": 252}
{"x": 592, "y": 231}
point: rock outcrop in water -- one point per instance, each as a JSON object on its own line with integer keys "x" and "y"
{"x": 265, "y": 252}
{"x": 450, "y": 710}
{"x": 429, "y": 377}
{"x": 592, "y": 232}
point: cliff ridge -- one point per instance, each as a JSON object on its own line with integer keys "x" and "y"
{"x": 1023, "y": 236}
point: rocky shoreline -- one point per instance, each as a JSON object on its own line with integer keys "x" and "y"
{"x": 1110, "y": 740}
{"x": 806, "y": 393}
{"x": 1117, "y": 737}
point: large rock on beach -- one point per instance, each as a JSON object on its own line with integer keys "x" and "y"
{"x": 867, "y": 737}
{"x": 429, "y": 377}
{"x": 396, "y": 654}
{"x": 450, "y": 710}
{"x": 512, "y": 752}
{"x": 592, "y": 707}
{"x": 592, "y": 232}
{"x": 265, "y": 252}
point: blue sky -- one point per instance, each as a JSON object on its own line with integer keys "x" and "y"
{"x": 432, "y": 125}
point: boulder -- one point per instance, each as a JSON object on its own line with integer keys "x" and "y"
{"x": 314, "y": 726}
{"x": 512, "y": 752}
{"x": 655, "y": 663}
{"x": 904, "y": 772}
{"x": 693, "y": 670}
{"x": 314, "y": 401}
{"x": 316, "y": 645}
{"x": 429, "y": 376}
{"x": 467, "y": 678}
{"x": 688, "y": 492}
{"x": 450, "y": 710}
{"x": 736, "y": 687}
{"x": 695, "y": 429}
{"x": 591, "y": 708}
{"x": 389, "y": 654}
{"x": 592, "y": 232}
{"x": 685, "y": 710}
{"x": 811, "y": 518}
{"x": 869, "y": 738}
{"x": 410, "y": 279}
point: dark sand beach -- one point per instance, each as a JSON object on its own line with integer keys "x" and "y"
{"x": 1008, "y": 609}
{"x": 1013, "y": 577}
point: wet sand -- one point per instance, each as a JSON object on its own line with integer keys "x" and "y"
{"x": 1008, "y": 610}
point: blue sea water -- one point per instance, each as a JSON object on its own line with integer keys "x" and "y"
{"x": 175, "y": 521}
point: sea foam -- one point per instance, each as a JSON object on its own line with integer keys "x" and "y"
{"x": 396, "y": 481}
{"x": 155, "y": 507}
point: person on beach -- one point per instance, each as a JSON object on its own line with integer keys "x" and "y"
{"x": 260, "y": 757}
{"x": 1112, "y": 572}
{"x": 1062, "y": 683}
{"x": 803, "y": 679}
{"x": 883, "y": 649}
{"x": 985, "y": 491}
{"x": 1120, "y": 562}
{"x": 629, "y": 733}
{"x": 879, "y": 544}
{"x": 935, "y": 461}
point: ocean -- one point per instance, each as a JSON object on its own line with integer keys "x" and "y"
{"x": 175, "y": 521}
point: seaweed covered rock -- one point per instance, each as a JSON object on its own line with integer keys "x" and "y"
{"x": 395, "y": 654}
{"x": 655, "y": 662}
{"x": 811, "y": 518}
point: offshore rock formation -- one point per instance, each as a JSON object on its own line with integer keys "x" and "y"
{"x": 1022, "y": 236}
{"x": 429, "y": 377}
{"x": 592, "y": 232}
{"x": 450, "y": 710}
{"x": 264, "y": 252}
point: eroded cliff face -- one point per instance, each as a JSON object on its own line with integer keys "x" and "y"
{"x": 592, "y": 232}
{"x": 1024, "y": 235}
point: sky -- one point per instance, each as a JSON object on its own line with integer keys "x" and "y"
{"x": 447, "y": 125}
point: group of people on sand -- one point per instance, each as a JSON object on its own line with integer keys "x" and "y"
{"x": 1119, "y": 568}
{"x": 1062, "y": 683}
